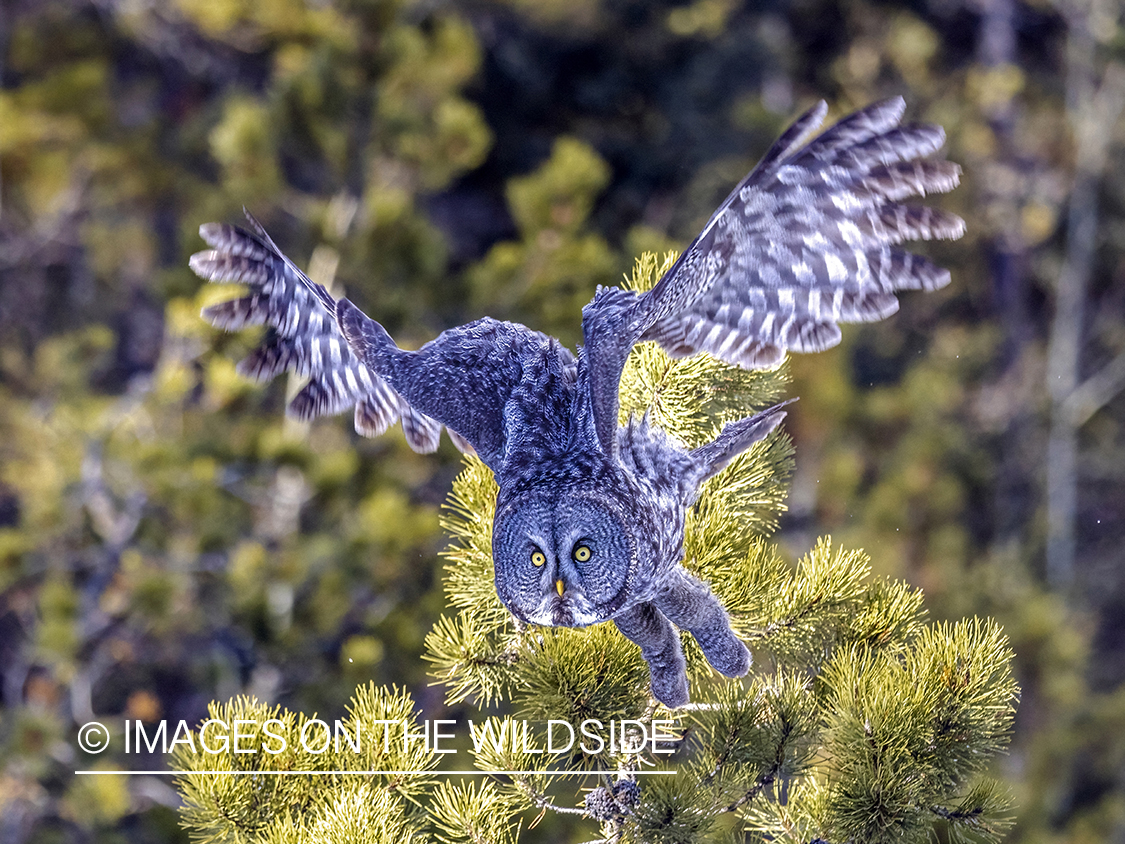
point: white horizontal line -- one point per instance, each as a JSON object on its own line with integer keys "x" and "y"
{"x": 380, "y": 773}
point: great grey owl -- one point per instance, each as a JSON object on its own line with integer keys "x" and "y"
{"x": 590, "y": 514}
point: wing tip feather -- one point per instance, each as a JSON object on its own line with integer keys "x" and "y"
{"x": 937, "y": 280}
{"x": 203, "y": 264}
{"x": 212, "y": 232}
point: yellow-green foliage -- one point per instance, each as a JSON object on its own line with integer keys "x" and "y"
{"x": 296, "y": 792}
{"x": 896, "y": 729}
{"x": 101, "y": 798}
{"x": 546, "y": 277}
{"x": 244, "y": 142}
{"x": 465, "y": 813}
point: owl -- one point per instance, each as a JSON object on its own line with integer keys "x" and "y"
{"x": 589, "y": 523}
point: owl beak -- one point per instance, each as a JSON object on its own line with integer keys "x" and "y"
{"x": 559, "y": 587}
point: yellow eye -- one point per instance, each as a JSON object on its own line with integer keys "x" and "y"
{"x": 582, "y": 553}
{"x": 538, "y": 558}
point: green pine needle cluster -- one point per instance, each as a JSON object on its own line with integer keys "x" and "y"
{"x": 860, "y": 721}
{"x": 256, "y": 773}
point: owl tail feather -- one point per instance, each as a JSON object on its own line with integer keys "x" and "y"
{"x": 735, "y": 438}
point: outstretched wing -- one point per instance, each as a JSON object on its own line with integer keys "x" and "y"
{"x": 808, "y": 240}
{"x": 302, "y": 337}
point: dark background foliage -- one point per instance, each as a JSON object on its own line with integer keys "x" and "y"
{"x": 167, "y": 538}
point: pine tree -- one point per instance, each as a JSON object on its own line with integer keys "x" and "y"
{"x": 860, "y": 721}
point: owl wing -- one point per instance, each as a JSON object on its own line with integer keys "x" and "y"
{"x": 808, "y": 240}
{"x": 302, "y": 337}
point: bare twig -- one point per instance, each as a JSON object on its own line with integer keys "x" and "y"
{"x": 1096, "y": 392}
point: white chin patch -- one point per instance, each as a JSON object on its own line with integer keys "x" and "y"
{"x": 585, "y": 616}
{"x": 568, "y": 611}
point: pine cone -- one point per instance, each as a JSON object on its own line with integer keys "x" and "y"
{"x": 600, "y": 804}
{"x": 627, "y": 794}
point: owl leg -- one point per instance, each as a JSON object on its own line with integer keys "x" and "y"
{"x": 660, "y": 646}
{"x": 688, "y": 603}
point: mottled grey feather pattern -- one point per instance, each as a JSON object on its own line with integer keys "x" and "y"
{"x": 486, "y": 381}
{"x": 590, "y": 514}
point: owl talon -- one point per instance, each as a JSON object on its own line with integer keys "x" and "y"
{"x": 734, "y": 660}
{"x": 670, "y": 688}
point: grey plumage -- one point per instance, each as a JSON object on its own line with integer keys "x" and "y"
{"x": 590, "y": 514}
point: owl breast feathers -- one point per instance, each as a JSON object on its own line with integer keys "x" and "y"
{"x": 590, "y": 514}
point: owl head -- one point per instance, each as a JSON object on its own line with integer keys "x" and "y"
{"x": 564, "y": 555}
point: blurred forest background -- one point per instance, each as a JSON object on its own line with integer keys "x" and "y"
{"x": 167, "y": 538}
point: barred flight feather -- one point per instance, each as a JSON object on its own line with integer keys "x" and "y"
{"x": 808, "y": 240}
{"x": 303, "y": 336}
